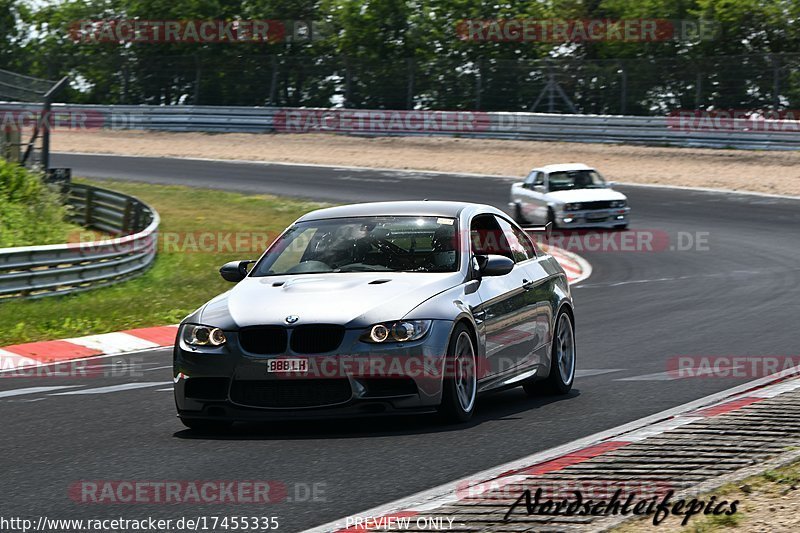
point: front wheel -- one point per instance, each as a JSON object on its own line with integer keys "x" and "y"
{"x": 551, "y": 217}
{"x": 562, "y": 360}
{"x": 518, "y": 218}
{"x": 460, "y": 384}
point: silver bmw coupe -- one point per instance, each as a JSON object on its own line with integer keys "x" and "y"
{"x": 390, "y": 307}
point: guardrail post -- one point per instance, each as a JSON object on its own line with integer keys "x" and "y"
{"x": 137, "y": 217}
{"x": 126, "y": 217}
{"x": 87, "y": 208}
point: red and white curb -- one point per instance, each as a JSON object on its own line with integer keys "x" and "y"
{"x": 576, "y": 267}
{"x": 33, "y": 354}
{"x": 569, "y": 454}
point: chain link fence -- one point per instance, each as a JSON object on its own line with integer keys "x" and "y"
{"x": 568, "y": 85}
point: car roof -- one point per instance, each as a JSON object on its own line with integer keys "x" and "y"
{"x": 401, "y": 208}
{"x": 563, "y": 167}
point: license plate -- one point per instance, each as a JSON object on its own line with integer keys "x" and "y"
{"x": 596, "y": 218}
{"x": 287, "y": 365}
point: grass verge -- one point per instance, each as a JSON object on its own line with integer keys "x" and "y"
{"x": 195, "y": 224}
{"x": 767, "y": 502}
{"x": 31, "y": 212}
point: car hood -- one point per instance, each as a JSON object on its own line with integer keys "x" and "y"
{"x": 586, "y": 195}
{"x": 351, "y": 299}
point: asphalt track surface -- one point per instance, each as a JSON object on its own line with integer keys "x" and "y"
{"x": 736, "y": 296}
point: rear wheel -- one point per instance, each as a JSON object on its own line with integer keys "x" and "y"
{"x": 205, "y": 425}
{"x": 460, "y": 385}
{"x": 562, "y": 360}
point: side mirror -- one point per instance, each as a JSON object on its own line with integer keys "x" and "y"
{"x": 610, "y": 184}
{"x": 494, "y": 265}
{"x": 234, "y": 271}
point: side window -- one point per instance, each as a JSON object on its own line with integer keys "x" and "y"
{"x": 533, "y": 179}
{"x": 487, "y": 237}
{"x": 526, "y": 242}
{"x": 530, "y": 180}
{"x": 520, "y": 246}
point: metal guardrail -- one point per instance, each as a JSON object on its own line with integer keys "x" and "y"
{"x": 37, "y": 271}
{"x": 665, "y": 131}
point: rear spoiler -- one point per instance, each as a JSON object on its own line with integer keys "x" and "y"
{"x": 547, "y": 229}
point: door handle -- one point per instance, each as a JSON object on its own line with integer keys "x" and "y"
{"x": 527, "y": 284}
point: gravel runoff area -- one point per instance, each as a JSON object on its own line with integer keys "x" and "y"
{"x": 759, "y": 171}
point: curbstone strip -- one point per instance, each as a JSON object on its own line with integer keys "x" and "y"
{"x": 33, "y": 354}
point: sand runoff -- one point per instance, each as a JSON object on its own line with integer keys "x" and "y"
{"x": 775, "y": 172}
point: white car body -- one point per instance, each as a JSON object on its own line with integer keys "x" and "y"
{"x": 598, "y": 206}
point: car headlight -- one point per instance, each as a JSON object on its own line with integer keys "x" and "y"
{"x": 618, "y": 203}
{"x": 400, "y": 331}
{"x": 199, "y": 335}
{"x": 572, "y": 207}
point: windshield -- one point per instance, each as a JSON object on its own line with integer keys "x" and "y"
{"x": 367, "y": 244}
{"x": 576, "y": 179}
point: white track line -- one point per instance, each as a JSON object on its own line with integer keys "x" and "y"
{"x": 114, "y": 388}
{"x": 34, "y": 390}
{"x": 587, "y": 372}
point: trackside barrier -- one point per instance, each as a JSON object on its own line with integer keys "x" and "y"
{"x": 662, "y": 130}
{"x": 37, "y": 271}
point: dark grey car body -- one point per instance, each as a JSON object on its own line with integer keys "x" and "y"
{"x": 510, "y": 318}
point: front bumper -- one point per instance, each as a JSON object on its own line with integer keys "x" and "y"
{"x": 358, "y": 379}
{"x": 594, "y": 218}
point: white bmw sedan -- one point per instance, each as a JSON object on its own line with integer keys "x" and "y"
{"x": 570, "y": 195}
